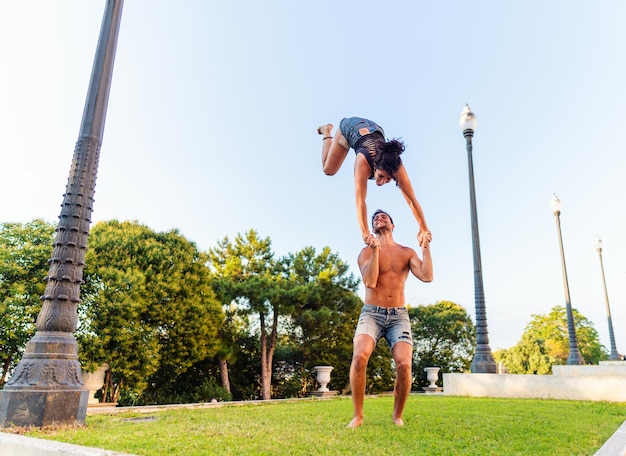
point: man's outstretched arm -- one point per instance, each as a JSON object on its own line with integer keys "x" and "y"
{"x": 369, "y": 263}
{"x": 422, "y": 269}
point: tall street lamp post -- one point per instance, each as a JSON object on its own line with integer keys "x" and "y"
{"x": 47, "y": 387}
{"x": 574, "y": 354}
{"x": 483, "y": 362}
{"x": 614, "y": 354}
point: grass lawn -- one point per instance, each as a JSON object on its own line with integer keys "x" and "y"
{"x": 435, "y": 425}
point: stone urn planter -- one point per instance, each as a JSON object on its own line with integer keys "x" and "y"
{"x": 323, "y": 377}
{"x": 432, "y": 375}
{"x": 94, "y": 381}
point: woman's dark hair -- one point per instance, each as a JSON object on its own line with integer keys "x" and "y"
{"x": 388, "y": 157}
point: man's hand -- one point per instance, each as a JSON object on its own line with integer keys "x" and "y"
{"x": 424, "y": 237}
{"x": 374, "y": 242}
{"x": 371, "y": 240}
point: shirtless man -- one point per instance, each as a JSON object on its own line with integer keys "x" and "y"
{"x": 385, "y": 267}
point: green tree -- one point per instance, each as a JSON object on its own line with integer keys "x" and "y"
{"x": 444, "y": 337}
{"x": 528, "y": 356}
{"x": 228, "y": 334}
{"x": 24, "y": 253}
{"x": 545, "y": 342}
{"x": 233, "y": 335}
{"x": 245, "y": 271}
{"x": 245, "y": 371}
{"x": 322, "y": 324}
{"x": 238, "y": 358}
{"x": 148, "y": 309}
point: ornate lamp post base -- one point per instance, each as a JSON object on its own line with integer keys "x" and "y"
{"x": 47, "y": 387}
{"x": 483, "y": 363}
{"x": 43, "y": 408}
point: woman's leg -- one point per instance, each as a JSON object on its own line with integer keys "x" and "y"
{"x": 333, "y": 153}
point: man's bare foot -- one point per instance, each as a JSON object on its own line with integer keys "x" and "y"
{"x": 325, "y": 130}
{"x": 398, "y": 422}
{"x": 356, "y": 422}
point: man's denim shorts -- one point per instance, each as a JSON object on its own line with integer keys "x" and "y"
{"x": 392, "y": 323}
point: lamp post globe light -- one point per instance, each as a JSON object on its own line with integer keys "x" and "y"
{"x": 574, "y": 354}
{"x": 614, "y": 356}
{"x": 483, "y": 362}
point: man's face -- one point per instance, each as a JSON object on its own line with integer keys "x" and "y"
{"x": 381, "y": 220}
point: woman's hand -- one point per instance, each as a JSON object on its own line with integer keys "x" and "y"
{"x": 424, "y": 237}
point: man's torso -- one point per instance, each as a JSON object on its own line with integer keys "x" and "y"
{"x": 393, "y": 269}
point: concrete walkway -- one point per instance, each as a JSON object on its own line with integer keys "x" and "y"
{"x": 616, "y": 445}
{"x": 20, "y": 445}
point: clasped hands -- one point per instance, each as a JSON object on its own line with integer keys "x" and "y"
{"x": 371, "y": 240}
{"x": 424, "y": 238}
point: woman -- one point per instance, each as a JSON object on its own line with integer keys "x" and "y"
{"x": 376, "y": 159}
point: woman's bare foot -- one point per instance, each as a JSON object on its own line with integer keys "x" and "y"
{"x": 325, "y": 130}
{"x": 356, "y": 422}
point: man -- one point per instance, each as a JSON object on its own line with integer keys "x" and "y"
{"x": 385, "y": 267}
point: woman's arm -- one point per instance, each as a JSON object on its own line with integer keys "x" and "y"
{"x": 409, "y": 195}
{"x": 362, "y": 172}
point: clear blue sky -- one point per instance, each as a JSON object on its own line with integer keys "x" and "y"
{"x": 214, "y": 105}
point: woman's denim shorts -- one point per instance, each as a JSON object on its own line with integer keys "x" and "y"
{"x": 354, "y": 128}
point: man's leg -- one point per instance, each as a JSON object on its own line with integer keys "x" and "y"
{"x": 403, "y": 357}
{"x": 363, "y": 347}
